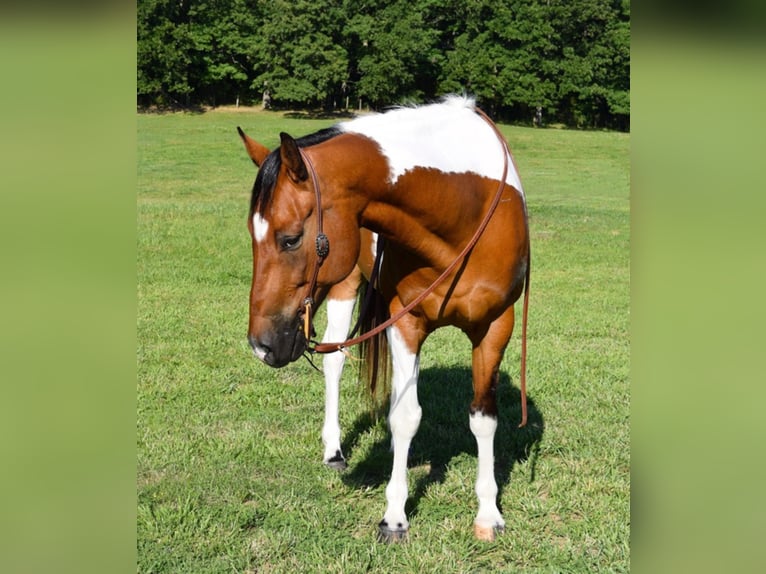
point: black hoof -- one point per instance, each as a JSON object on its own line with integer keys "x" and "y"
{"x": 337, "y": 462}
{"x": 388, "y": 535}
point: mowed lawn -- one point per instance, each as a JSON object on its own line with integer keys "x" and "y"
{"x": 229, "y": 471}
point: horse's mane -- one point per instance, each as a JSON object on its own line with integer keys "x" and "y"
{"x": 450, "y": 100}
{"x": 266, "y": 179}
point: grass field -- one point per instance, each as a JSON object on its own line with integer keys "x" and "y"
{"x": 229, "y": 470}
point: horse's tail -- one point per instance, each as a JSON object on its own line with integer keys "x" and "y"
{"x": 374, "y": 369}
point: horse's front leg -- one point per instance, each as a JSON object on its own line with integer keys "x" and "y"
{"x": 403, "y": 419}
{"x": 340, "y": 308}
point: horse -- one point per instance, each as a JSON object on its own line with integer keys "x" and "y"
{"x": 434, "y": 191}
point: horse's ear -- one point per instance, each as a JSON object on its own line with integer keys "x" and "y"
{"x": 291, "y": 158}
{"x": 256, "y": 151}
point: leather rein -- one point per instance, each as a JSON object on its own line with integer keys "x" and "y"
{"x": 323, "y": 250}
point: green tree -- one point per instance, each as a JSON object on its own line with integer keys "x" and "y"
{"x": 222, "y": 31}
{"x": 394, "y": 54}
{"x": 298, "y": 54}
{"x": 572, "y": 59}
{"x": 594, "y": 61}
{"x": 163, "y": 52}
{"x": 194, "y": 52}
{"x": 528, "y": 77}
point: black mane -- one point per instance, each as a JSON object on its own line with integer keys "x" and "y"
{"x": 266, "y": 179}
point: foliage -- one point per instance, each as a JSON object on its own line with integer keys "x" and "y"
{"x": 229, "y": 469}
{"x": 299, "y": 59}
{"x": 393, "y": 51}
{"x": 192, "y": 52}
{"x": 571, "y": 59}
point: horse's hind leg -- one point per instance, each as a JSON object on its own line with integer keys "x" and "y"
{"x": 489, "y": 346}
{"x": 340, "y": 308}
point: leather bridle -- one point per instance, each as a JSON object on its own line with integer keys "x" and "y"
{"x": 322, "y": 245}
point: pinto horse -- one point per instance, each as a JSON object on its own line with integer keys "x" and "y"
{"x": 425, "y": 179}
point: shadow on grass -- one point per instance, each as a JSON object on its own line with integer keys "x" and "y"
{"x": 445, "y": 395}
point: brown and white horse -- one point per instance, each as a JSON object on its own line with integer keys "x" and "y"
{"x": 423, "y": 178}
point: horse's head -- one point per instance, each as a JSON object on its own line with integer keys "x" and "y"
{"x": 283, "y": 225}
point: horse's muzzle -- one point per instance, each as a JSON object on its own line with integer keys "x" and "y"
{"x": 279, "y": 347}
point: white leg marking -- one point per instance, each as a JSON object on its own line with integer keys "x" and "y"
{"x": 483, "y": 428}
{"x": 260, "y": 227}
{"x": 404, "y": 419}
{"x": 339, "y": 314}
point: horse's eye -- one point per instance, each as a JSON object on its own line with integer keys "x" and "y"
{"x": 291, "y": 242}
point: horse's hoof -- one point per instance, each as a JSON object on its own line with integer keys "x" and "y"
{"x": 388, "y": 535}
{"x": 487, "y": 533}
{"x": 337, "y": 462}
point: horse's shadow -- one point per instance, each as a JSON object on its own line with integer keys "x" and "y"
{"x": 445, "y": 395}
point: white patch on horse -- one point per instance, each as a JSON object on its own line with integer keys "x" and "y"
{"x": 260, "y": 227}
{"x": 448, "y": 136}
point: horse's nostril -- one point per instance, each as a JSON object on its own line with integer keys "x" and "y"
{"x": 259, "y": 349}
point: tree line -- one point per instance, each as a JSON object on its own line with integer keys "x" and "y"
{"x": 565, "y": 61}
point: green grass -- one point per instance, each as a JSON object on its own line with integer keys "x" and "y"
{"x": 230, "y": 476}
